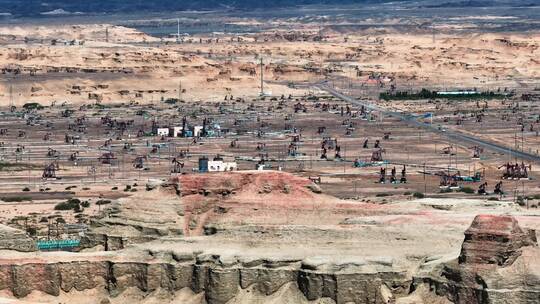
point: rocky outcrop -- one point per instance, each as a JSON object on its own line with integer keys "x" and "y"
{"x": 14, "y": 239}
{"x": 495, "y": 240}
{"x": 219, "y": 278}
{"x": 499, "y": 263}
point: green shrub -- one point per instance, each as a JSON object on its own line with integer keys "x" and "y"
{"x": 418, "y": 195}
{"x": 32, "y": 231}
{"x": 467, "y": 190}
{"x": 16, "y": 199}
{"x": 71, "y": 204}
{"x": 26, "y": 189}
{"x": 103, "y": 202}
{"x": 32, "y": 106}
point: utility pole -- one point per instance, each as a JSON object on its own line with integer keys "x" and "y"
{"x": 262, "y": 77}
{"x": 179, "y": 89}
{"x": 178, "y": 30}
{"x": 10, "y": 95}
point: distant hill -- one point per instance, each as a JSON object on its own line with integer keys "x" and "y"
{"x": 63, "y": 7}
{"x": 66, "y": 7}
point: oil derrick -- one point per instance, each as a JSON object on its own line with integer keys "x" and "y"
{"x": 74, "y": 156}
{"x": 516, "y": 171}
{"x": 177, "y": 166}
{"x": 498, "y": 188}
{"x": 292, "y": 149}
{"x": 447, "y": 180}
{"x": 49, "y": 171}
{"x": 448, "y": 150}
{"x": 338, "y": 152}
{"x": 138, "y": 162}
{"x": 376, "y": 156}
{"x": 154, "y": 127}
{"x": 476, "y": 151}
{"x": 184, "y": 153}
{"x": 204, "y": 131}
{"x": 403, "y": 178}
{"x": 393, "y": 179}
{"x": 184, "y": 126}
{"x": 52, "y": 153}
{"x": 382, "y": 175}
{"x": 106, "y": 158}
{"x": 323, "y": 154}
{"x": 482, "y": 189}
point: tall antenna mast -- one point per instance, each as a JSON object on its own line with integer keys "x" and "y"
{"x": 178, "y": 30}
{"x": 10, "y": 95}
{"x": 179, "y": 89}
{"x": 262, "y": 77}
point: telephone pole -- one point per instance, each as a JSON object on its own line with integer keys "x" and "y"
{"x": 262, "y": 77}
{"x": 178, "y": 30}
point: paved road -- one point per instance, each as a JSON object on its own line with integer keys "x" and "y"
{"x": 455, "y": 136}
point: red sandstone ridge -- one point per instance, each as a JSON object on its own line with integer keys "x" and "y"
{"x": 495, "y": 239}
{"x": 250, "y": 182}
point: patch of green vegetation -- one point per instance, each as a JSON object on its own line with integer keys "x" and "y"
{"x": 32, "y": 231}
{"x": 427, "y": 94}
{"x": 418, "y": 195}
{"x": 520, "y": 201}
{"x": 16, "y": 199}
{"x": 171, "y": 100}
{"x": 467, "y": 190}
{"x": 32, "y": 106}
{"x": 103, "y": 202}
{"x": 71, "y": 204}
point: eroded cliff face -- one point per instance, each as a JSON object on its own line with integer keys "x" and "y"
{"x": 220, "y": 280}
{"x": 499, "y": 263}
{"x": 14, "y": 239}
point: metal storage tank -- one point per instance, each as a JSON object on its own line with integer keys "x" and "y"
{"x": 203, "y": 164}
